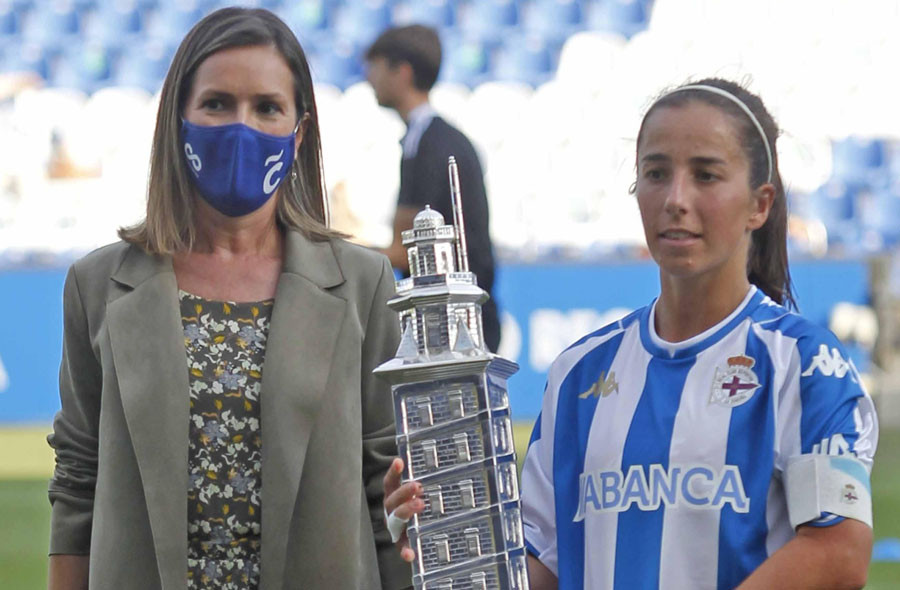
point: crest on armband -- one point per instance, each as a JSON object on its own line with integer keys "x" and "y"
{"x": 849, "y": 494}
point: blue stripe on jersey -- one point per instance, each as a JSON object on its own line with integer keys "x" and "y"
{"x": 751, "y": 432}
{"x": 573, "y": 423}
{"x": 536, "y": 432}
{"x": 639, "y": 533}
{"x": 827, "y": 400}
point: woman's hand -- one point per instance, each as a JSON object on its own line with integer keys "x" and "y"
{"x": 402, "y": 501}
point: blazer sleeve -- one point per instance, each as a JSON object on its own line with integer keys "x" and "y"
{"x": 75, "y": 431}
{"x": 379, "y": 447}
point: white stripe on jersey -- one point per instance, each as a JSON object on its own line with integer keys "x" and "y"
{"x": 609, "y": 428}
{"x": 786, "y": 407}
{"x": 537, "y": 485}
{"x": 688, "y": 565}
{"x": 787, "y": 411}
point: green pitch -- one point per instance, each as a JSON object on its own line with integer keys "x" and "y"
{"x": 25, "y": 462}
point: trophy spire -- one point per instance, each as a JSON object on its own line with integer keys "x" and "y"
{"x": 462, "y": 252}
{"x": 454, "y": 430}
{"x": 441, "y": 299}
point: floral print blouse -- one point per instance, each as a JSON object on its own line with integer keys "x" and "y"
{"x": 226, "y": 344}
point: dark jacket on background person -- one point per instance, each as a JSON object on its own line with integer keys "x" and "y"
{"x": 424, "y": 181}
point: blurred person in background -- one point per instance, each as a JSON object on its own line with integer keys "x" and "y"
{"x": 402, "y": 67}
{"x": 220, "y": 424}
{"x": 715, "y": 438}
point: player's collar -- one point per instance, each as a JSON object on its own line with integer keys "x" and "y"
{"x": 659, "y": 347}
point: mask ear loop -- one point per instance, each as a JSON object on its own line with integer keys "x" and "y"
{"x": 294, "y": 166}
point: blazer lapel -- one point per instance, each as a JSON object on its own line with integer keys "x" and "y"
{"x": 306, "y": 322}
{"x": 148, "y": 351}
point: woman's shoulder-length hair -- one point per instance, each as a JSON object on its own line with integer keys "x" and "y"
{"x": 168, "y": 226}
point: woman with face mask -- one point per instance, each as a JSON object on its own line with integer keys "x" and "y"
{"x": 220, "y": 425}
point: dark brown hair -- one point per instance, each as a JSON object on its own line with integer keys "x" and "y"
{"x": 169, "y": 224}
{"x": 767, "y": 262}
{"x": 417, "y": 45}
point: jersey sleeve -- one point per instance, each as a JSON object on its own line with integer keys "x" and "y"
{"x": 836, "y": 414}
{"x": 538, "y": 503}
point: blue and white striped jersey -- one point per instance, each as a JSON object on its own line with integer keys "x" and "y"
{"x": 659, "y": 465}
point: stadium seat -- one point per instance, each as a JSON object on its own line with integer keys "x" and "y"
{"x": 622, "y": 16}
{"x": 554, "y": 20}
{"x": 882, "y": 214}
{"x": 10, "y": 21}
{"x": 339, "y": 65}
{"x": 465, "y": 61}
{"x": 524, "y": 59}
{"x": 439, "y": 14}
{"x": 145, "y": 66}
{"x": 171, "y": 22}
{"x": 22, "y": 5}
{"x": 857, "y": 159}
{"x": 305, "y": 16}
{"x": 53, "y": 25}
{"x": 116, "y": 24}
{"x": 489, "y": 20}
{"x": 82, "y": 6}
{"x": 27, "y": 57}
{"x": 84, "y": 67}
{"x": 360, "y": 21}
{"x": 834, "y": 204}
{"x": 145, "y": 6}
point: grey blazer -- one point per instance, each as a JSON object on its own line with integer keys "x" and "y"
{"x": 119, "y": 491}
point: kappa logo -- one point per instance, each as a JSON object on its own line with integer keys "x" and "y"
{"x": 603, "y": 387}
{"x": 268, "y": 184}
{"x": 735, "y": 384}
{"x": 193, "y": 158}
{"x": 830, "y": 363}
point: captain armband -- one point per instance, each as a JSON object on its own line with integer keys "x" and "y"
{"x": 836, "y": 484}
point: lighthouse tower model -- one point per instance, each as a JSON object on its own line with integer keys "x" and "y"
{"x": 454, "y": 432}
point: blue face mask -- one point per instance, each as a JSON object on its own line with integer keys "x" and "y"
{"x": 235, "y": 167}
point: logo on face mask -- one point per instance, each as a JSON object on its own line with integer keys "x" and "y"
{"x": 193, "y": 158}
{"x": 268, "y": 184}
{"x": 236, "y": 168}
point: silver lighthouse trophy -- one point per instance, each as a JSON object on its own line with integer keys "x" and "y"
{"x": 453, "y": 421}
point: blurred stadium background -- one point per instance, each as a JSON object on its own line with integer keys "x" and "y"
{"x": 550, "y": 91}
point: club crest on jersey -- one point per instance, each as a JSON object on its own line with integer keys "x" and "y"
{"x": 735, "y": 384}
{"x": 603, "y": 387}
{"x": 849, "y": 495}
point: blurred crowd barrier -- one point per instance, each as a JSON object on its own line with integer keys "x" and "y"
{"x": 545, "y": 307}
{"x": 556, "y": 132}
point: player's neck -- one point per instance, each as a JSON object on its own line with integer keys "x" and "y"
{"x": 410, "y": 102}
{"x": 688, "y": 308}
